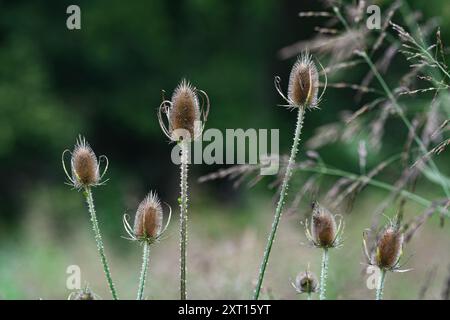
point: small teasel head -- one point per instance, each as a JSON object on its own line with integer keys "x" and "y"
{"x": 303, "y": 84}
{"x": 306, "y": 282}
{"x": 84, "y": 294}
{"x": 85, "y": 168}
{"x": 148, "y": 221}
{"x": 185, "y": 114}
{"x": 324, "y": 232}
{"x": 388, "y": 248}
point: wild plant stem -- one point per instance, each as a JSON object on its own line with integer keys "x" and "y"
{"x": 98, "y": 240}
{"x": 145, "y": 256}
{"x": 324, "y": 274}
{"x": 281, "y": 201}
{"x": 183, "y": 217}
{"x": 380, "y": 285}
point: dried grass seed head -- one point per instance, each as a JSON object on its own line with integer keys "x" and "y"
{"x": 149, "y": 218}
{"x": 306, "y": 282}
{"x": 389, "y": 248}
{"x": 324, "y": 229}
{"x": 304, "y": 83}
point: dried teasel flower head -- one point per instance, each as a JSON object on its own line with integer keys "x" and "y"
{"x": 306, "y": 282}
{"x": 186, "y": 116}
{"x": 388, "y": 249}
{"x": 303, "y": 84}
{"x": 325, "y": 232}
{"x": 85, "y": 168}
{"x": 83, "y": 294}
{"x": 148, "y": 221}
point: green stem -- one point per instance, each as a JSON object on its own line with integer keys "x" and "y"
{"x": 309, "y": 296}
{"x": 183, "y": 218}
{"x": 144, "y": 268}
{"x": 324, "y": 274}
{"x": 281, "y": 201}
{"x": 380, "y": 285}
{"x": 98, "y": 240}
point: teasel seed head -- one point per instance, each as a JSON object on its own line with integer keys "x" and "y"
{"x": 325, "y": 232}
{"x": 306, "y": 282}
{"x": 303, "y": 86}
{"x": 148, "y": 221}
{"x": 149, "y": 216}
{"x": 85, "y": 168}
{"x": 389, "y": 248}
{"x": 83, "y": 294}
{"x": 185, "y": 115}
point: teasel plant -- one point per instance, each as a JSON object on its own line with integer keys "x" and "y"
{"x": 86, "y": 174}
{"x": 387, "y": 253}
{"x": 302, "y": 95}
{"x": 306, "y": 282}
{"x": 324, "y": 233}
{"x": 84, "y": 293}
{"x": 186, "y": 114}
{"x": 147, "y": 230}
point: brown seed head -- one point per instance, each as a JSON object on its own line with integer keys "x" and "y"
{"x": 304, "y": 83}
{"x": 306, "y": 282}
{"x": 185, "y": 112}
{"x": 323, "y": 226}
{"x": 85, "y": 171}
{"x": 149, "y": 217}
{"x": 389, "y": 248}
{"x": 83, "y": 294}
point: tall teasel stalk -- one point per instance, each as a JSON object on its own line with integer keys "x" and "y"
{"x": 148, "y": 229}
{"x": 183, "y": 216}
{"x": 85, "y": 169}
{"x": 302, "y": 94}
{"x": 386, "y": 254}
{"x": 325, "y": 234}
{"x": 186, "y": 118}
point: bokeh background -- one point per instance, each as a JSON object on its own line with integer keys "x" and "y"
{"x": 104, "y": 82}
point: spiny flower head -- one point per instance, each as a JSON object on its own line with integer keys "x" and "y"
{"x": 85, "y": 168}
{"x": 148, "y": 221}
{"x": 306, "y": 282}
{"x": 149, "y": 216}
{"x": 325, "y": 232}
{"x": 83, "y": 294}
{"x": 388, "y": 248}
{"x": 303, "y": 84}
{"x": 184, "y": 113}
